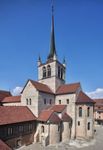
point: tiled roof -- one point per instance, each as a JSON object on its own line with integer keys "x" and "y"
{"x": 68, "y": 88}
{"x": 49, "y": 115}
{"x": 58, "y": 108}
{"x": 83, "y": 98}
{"x": 12, "y": 99}
{"x": 4, "y": 146}
{"x": 15, "y": 114}
{"x": 39, "y": 86}
{"x": 66, "y": 117}
{"x": 4, "y": 94}
{"x": 100, "y": 101}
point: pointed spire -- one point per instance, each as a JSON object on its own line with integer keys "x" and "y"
{"x": 52, "y": 53}
{"x": 64, "y": 62}
{"x": 39, "y": 61}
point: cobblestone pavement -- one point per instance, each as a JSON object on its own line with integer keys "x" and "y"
{"x": 95, "y": 144}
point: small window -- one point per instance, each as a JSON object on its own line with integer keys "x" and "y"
{"x": 30, "y": 101}
{"x": 20, "y": 128}
{"x": 48, "y": 71}
{"x": 45, "y": 101}
{"x": 30, "y": 127}
{"x": 88, "y": 111}
{"x": 50, "y": 101}
{"x": 88, "y": 126}
{"x": 67, "y": 101}
{"x": 44, "y": 72}
{"x": 26, "y": 101}
{"x": 59, "y": 71}
{"x": 59, "y": 101}
{"x": 10, "y": 131}
{"x": 80, "y": 111}
{"x": 78, "y": 123}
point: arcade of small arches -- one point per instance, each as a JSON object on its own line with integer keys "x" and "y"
{"x": 47, "y": 72}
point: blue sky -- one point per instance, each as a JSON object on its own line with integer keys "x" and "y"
{"x": 25, "y": 27}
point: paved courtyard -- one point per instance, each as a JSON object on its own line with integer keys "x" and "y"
{"x": 95, "y": 144}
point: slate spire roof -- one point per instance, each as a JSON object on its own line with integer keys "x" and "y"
{"x": 52, "y": 44}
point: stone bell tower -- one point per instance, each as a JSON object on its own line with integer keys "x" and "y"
{"x": 52, "y": 72}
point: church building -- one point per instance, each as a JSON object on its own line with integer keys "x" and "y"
{"x": 59, "y": 111}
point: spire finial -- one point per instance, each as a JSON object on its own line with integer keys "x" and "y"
{"x": 52, "y": 7}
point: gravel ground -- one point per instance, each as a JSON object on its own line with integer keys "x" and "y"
{"x": 95, "y": 144}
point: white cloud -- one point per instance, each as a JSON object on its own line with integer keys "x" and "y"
{"x": 16, "y": 90}
{"x": 98, "y": 93}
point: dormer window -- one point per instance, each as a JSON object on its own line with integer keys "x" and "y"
{"x": 48, "y": 71}
{"x": 44, "y": 72}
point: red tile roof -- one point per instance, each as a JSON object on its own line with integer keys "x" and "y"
{"x": 4, "y": 94}
{"x": 4, "y": 146}
{"x": 58, "y": 108}
{"x": 12, "y": 99}
{"x": 40, "y": 87}
{"x": 99, "y": 101}
{"x": 83, "y": 98}
{"x": 49, "y": 115}
{"x": 15, "y": 114}
{"x": 66, "y": 117}
{"x": 68, "y": 88}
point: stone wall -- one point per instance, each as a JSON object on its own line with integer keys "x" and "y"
{"x": 54, "y": 134}
{"x": 47, "y": 97}
{"x": 82, "y": 122}
{"x": 71, "y": 109}
{"x": 30, "y": 93}
{"x": 66, "y": 131}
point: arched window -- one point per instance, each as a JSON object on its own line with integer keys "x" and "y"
{"x": 48, "y": 70}
{"x": 59, "y": 101}
{"x": 88, "y": 126}
{"x": 59, "y": 71}
{"x": 42, "y": 129}
{"x": 44, "y": 72}
{"x": 67, "y": 101}
{"x": 80, "y": 111}
{"x": 88, "y": 111}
